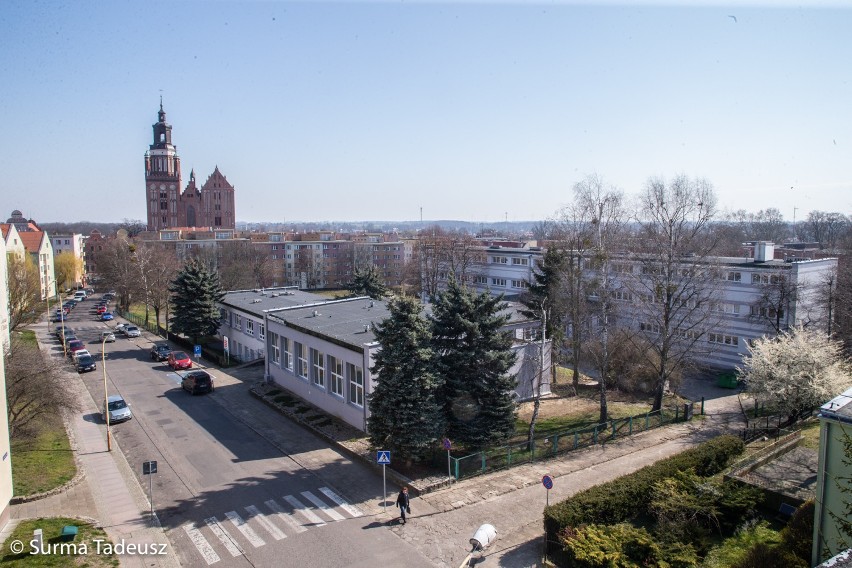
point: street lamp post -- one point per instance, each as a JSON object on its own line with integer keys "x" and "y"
{"x": 106, "y": 398}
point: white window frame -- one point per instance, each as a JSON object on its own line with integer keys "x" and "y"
{"x": 249, "y": 327}
{"x": 275, "y": 352}
{"x": 288, "y": 357}
{"x": 356, "y": 384}
{"x": 318, "y": 364}
{"x": 262, "y": 331}
{"x": 335, "y": 367}
{"x": 301, "y": 360}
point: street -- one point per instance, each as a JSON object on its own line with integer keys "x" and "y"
{"x": 224, "y": 494}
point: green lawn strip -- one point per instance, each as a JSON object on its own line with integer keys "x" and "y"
{"x": 64, "y": 556}
{"x": 28, "y": 337}
{"x": 43, "y": 462}
{"x": 575, "y": 421}
{"x": 810, "y": 435}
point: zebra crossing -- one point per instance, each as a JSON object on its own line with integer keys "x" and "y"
{"x": 236, "y": 533}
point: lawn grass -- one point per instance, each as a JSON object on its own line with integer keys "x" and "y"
{"x": 52, "y": 528}
{"x": 28, "y": 337}
{"x": 810, "y": 435}
{"x": 43, "y": 462}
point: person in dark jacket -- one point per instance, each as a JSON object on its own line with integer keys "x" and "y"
{"x": 403, "y": 504}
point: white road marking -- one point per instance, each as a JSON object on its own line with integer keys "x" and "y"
{"x": 247, "y": 531}
{"x": 301, "y": 508}
{"x": 201, "y": 544}
{"x": 352, "y": 510}
{"x": 224, "y": 536}
{"x": 254, "y": 513}
{"x": 322, "y": 506}
{"x": 285, "y": 516}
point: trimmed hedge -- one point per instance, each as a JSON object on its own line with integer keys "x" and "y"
{"x": 628, "y": 497}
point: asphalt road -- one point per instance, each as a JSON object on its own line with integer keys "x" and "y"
{"x": 224, "y": 493}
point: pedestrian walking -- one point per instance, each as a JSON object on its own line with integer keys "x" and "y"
{"x": 403, "y": 503}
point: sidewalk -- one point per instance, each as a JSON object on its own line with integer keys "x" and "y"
{"x": 108, "y": 493}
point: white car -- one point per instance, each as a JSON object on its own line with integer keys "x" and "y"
{"x": 131, "y": 331}
{"x": 80, "y": 353}
{"x": 107, "y": 336}
{"x": 120, "y": 327}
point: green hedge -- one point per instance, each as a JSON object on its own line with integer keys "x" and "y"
{"x": 628, "y": 497}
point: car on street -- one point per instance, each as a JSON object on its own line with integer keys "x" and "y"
{"x": 160, "y": 352}
{"x": 101, "y": 309}
{"x": 179, "y": 360}
{"x": 131, "y": 331}
{"x": 195, "y": 382}
{"x": 55, "y": 318}
{"x": 119, "y": 328}
{"x": 86, "y": 363}
{"x": 119, "y": 410}
{"x": 109, "y": 296}
{"x": 80, "y": 353}
{"x": 106, "y": 316}
{"x": 74, "y": 345}
{"x": 107, "y": 336}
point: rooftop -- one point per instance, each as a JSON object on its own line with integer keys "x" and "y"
{"x": 261, "y": 300}
{"x": 839, "y": 408}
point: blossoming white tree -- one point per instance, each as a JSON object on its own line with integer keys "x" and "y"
{"x": 796, "y": 371}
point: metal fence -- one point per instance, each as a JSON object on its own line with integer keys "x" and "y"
{"x": 554, "y": 444}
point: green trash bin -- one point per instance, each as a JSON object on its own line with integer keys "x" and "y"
{"x": 727, "y": 380}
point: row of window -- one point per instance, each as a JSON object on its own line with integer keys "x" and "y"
{"x": 505, "y": 260}
{"x": 316, "y": 366}
{"x": 712, "y": 337}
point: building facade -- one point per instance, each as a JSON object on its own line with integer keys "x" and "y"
{"x": 73, "y": 244}
{"x": 168, "y": 205}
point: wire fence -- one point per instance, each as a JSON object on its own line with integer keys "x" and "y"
{"x": 552, "y": 445}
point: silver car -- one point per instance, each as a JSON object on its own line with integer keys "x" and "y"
{"x": 131, "y": 331}
{"x": 119, "y": 411}
{"x": 107, "y": 336}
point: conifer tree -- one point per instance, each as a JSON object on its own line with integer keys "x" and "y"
{"x": 405, "y": 416}
{"x": 474, "y": 359}
{"x": 195, "y": 292}
{"x": 368, "y": 282}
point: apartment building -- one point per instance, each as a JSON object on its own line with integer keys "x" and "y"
{"x": 73, "y": 244}
{"x": 324, "y": 353}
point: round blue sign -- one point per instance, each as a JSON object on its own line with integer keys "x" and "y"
{"x": 547, "y": 481}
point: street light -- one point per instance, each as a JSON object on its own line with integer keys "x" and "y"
{"x": 106, "y": 399}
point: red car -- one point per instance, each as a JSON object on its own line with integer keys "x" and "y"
{"x": 179, "y": 360}
{"x": 101, "y": 309}
{"x": 75, "y": 345}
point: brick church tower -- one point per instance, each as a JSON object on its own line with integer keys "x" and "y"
{"x": 210, "y": 206}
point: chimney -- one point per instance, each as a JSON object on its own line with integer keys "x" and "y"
{"x": 764, "y": 251}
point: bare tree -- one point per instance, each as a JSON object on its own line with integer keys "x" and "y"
{"x": 117, "y": 266}
{"x": 677, "y": 282}
{"x": 772, "y": 307}
{"x": 444, "y": 255}
{"x": 242, "y": 266}
{"x": 35, "y": 387}
{"x": 24, "y": 284}
{"x": 827, "y": 228}
{"x": 158, "y": 267}
{"x": 603, "y": 206}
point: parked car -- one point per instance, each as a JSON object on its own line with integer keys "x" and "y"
{"x": 106, "y": 316}
{"x": 195, "y": 382}
{"x": 120, "y": 327}
{"x": 55, "y": 318}
{"x": 101, "y": 309}
{"x": 109, "y": 295}
{"x": 131, "y": 331}
{"x": 160, "y": 352}
{"x": 107, "y": 336}
{"x": 74, "y": 345}
{"x": 119, "y": 410}
{"x": 86, "y": 363}
{"x": 80, "y": 353}
{"x": 179, "y": 360}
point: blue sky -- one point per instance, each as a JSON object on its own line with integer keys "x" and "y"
{"x": 321, "y": 111}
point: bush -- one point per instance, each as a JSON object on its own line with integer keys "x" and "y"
{"x": 629, "y": 496}
{"x": 763, "y": 555}
{"x": 798, "y": 536}
{"x": 621, "y": 545}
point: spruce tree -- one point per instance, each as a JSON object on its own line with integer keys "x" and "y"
{"x": 547, "y": 290}
{"x": 405, "y": 416}
{"x": 474, "y": 359}
{"x": 194, "y": 295}
{"x": 368, "y": 282}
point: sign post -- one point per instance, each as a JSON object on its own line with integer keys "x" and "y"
{"x": 227, "y": 351}
{"x": 197, "y": 351}
{"x": 149, "y": 468}
{"x": 383, "y": 458}
{"x": 448, "y": 446}
{"x": 547, "y": 481}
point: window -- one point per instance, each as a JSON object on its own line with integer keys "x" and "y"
{"x": 262, "y": 329}
{"x": 726, "y": 308}
{"x": 520, "y": 284}
{"x": 620, "y": 268}
{"x": 288, "y": 357}
{"x": 249, "y": 327}
{"x": 650, "y": 327}
{"x": 481, "y": 279}
{"x": 302, "y": 361}
{"x": 238, "y": 321}
{"x": 499, "y": 260}
{"x": 274, "y": 349}
{"x": 622, "y": 295}
{"x": 722, "y": 339}
{"x": 356, "y": 384}
{"x": 498, "y": 282}
{"x": 521, "y": 261}
{"x": 732, "y": 276}
{"x": 319, "y": 367}
{"x": 335, "y": 365}
{"x": 767, "y": 312}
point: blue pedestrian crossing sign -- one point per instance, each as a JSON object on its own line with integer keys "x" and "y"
{"x": 383, "y": 457}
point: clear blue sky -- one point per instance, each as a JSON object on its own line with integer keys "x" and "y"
{"x": 321, "y": 111}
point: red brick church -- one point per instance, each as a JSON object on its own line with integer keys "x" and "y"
{"x": 211, "y": 205}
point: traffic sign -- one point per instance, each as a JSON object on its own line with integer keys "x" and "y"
{"x": 447, "y": 444}
{"x": 225, "y": 343}
{"x": 547, "y": 481}
{"x": 383, "y": 457}
{"x": 197, "y": 351}
{"x": 149, "y": 467}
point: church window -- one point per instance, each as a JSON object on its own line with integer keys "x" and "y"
{"x": 162, "y": 137}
